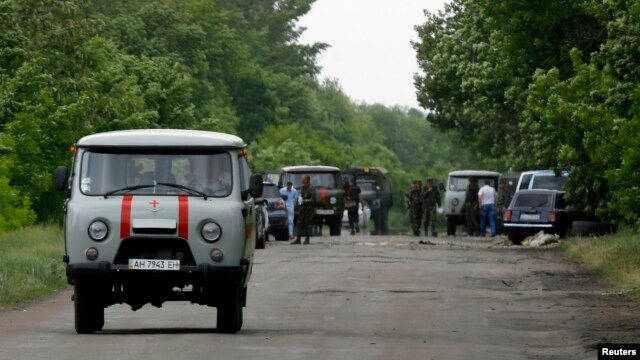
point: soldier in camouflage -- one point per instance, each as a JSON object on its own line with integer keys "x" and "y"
{"x": 430, "y": 202}
{"x": 414, "y": 204}
{"x": 307, "y": 197}
{"x": 471, "y": 210}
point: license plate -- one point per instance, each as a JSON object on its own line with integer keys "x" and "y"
{"x": 529, "y": 216}
{"x": 153, "y": 264}
{"x": 324, "y": 212}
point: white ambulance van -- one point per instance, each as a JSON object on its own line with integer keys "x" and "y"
{"x": 159, "y": 215}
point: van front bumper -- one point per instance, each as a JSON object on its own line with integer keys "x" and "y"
{"x": 203, "y": 273}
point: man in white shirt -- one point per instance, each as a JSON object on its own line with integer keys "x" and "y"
{"x": 487, "y": 203}
{"x": 291, "y": 196}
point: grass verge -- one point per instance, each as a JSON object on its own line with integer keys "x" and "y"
{"x": 616, "y": 257}
{"x": 31, "y": 264}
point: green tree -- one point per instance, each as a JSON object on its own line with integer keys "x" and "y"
{"x": 478, "y": 56}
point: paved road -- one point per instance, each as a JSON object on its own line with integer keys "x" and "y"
{"x": 359, "y": 298}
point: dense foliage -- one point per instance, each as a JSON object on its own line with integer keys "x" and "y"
{"x": 69, "y": 68}
{"x": 542, "y": 84}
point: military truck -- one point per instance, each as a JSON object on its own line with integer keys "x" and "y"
{"x": 327, "y": 182}
{"x": 159, "y": 215}
{"x": 375, "y": 185}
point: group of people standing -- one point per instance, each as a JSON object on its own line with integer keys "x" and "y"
{"x": 481, "y": 208}
{"x": 422, "y": 203}
{"x": 304, "y": 198}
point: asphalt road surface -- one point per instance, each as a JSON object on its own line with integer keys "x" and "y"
{"x": 360, "y": 297}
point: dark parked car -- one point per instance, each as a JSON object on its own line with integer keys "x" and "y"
{"x": 278, "y": 225}
{"x": 533, "y": 210}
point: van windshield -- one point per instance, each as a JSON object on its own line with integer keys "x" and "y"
{"x": 121, "y": 172}
{"x": 459, "y": 183}
{"x": 318, "y": 180}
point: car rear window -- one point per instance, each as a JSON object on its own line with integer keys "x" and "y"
{"x": 533, "y": 200}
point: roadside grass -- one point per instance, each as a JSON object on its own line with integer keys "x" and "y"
{"x": 615, "y": 256}
{"x": 31, "y": 264}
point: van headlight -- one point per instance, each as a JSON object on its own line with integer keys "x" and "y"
{"x": 333, "y": 200}
{"x": 98, "y": 230}
{"x": 211, "y": 231}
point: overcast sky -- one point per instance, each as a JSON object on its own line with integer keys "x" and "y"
{"x": 370, "y": 54}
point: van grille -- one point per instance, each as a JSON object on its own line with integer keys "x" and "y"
{"x": 153, "y": 248}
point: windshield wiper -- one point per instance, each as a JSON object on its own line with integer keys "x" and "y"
{"x": 186, "y": 188}
{"x": 128, "y": 188}
{"x": 177, "y": 186}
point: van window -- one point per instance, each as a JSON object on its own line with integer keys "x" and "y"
{"x": 102, "y": 172}
{"x": 550, "y": 182}
{"x": 318, "y": 180}
{"x": 460, "y": 183}
{"x": 245, "y": 174}
{"x": 524, "y": 183}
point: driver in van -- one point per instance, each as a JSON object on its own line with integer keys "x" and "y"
{"x": 215, "y": 181}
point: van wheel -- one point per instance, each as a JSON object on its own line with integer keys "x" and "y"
{"x": 451, "y": 226}
{"x": 230, "y": 311}
{"x": 260, "y": 239}
{"x": 89, "y": 312}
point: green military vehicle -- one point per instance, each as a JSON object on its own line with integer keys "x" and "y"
{"x": 327, "y": 182}
{"x": 375, "y": 187}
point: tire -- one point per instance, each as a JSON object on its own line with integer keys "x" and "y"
{"x": 88, "y": 311}
{"x": 229, "y": 319}
{"x": 516, "y": 239}
{"x": 260, "y": 243}
{"x": 260, "y": 226}
{"x": 451, "y": 226}
{"x": 281, "y": 235}
{"x": 335, "y": 227}
{"x": 260, "y": 237}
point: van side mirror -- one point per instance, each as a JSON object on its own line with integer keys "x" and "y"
{"x": 255, "y": 186}
{"x": 60, "y": 178}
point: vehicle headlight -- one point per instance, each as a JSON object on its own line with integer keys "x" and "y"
{"x": 211, "y": 231}
{"x": 333, "y": 200}
{"x": 455, "y": 202}
{"x": 98, "y": 230}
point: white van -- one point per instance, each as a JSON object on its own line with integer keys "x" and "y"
{"x": 455, "y": 194}
{"x": 542, "y": 179}
{"x": 159, "y": 215}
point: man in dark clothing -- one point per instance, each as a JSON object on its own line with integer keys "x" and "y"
{"x": 414, "y": 204}
{"x": 430, "y": 202}
{"x": 502, "y": 202}
{"x": 471, "y": 209}
{"x": 306, "y": 200}
{"x": 352, "y": 203}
